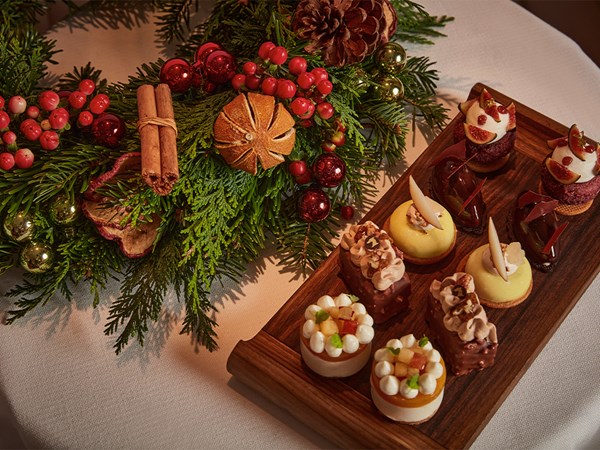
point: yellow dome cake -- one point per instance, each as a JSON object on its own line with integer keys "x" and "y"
{"x": 422, "y": 228}
{"x": 501, "y": 272}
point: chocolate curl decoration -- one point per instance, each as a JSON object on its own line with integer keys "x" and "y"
{"x": 158, "y": 138}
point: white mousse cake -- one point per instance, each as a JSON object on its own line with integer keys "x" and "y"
{"x": 335, "y": 339}
{"x": 408, "y": 379}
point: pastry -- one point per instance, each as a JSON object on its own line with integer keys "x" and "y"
{"x": 501, "y": 272}
{"x": 422, "y": 228}
{"x": 407, "y": 379}
{"x": 335, "y": 338}
{"x": 373, "y": 269}
{"x": 456, "y": 187}
{"x": 536, "y": 226}
{"x": 459, "y": 325}
{"x": 570, "y": 173}
{"x": 490, "y": 132}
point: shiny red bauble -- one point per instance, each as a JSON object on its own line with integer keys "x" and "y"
{"x": 329, "y": 170}
{"x": 313, "y": 205}
{"x": 108, "y": 130}
{"x": 220, "y": 67}
{"x": 177, "y": 73}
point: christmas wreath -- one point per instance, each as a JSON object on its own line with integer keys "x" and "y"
{"x": 269, "y": 126}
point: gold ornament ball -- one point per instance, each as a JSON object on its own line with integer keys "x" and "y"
{"x": 63, "y": 211}
{"x": 37, "y": 257}
{"x": 19, "y": 226}
{"x": 391, "y": 58}
{"x": 389, "y": 89}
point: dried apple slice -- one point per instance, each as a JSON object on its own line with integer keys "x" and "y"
{"x": 478, "y": 135}
{"x": 496, "y": 250}
{"x": 561, "y": 173}
{"x": 512, "y": 117}
{"x": 488, "y": 104}
{"x": 423, "y": 204}
{"x": 576, "y": 142}
{"x": 465, "y": 106}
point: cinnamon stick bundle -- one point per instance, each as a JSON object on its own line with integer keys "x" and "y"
{"x": 158, "y": 138}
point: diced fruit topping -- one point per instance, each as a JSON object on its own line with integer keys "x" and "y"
{"x": 576, "y": 142}
{"x": 488, "y": 104}
{"x": 405, "y": 355}
{"x": 478, "y": 135}
{"x": 465, "y": 106}
{"x": 347, "y": 326}
{"x": 418, "y": 361}
{"x": 512, "y": 117}
{"x": 329, "y": 327}
{"x": 400, "y": 370}
{"x": 561, "y": 173}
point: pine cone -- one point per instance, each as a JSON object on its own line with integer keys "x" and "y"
{"x": 344, "y": 31}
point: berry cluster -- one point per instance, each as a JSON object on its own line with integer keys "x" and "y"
{"x": 212, "y": 67}
{"x": 45, "y": 121}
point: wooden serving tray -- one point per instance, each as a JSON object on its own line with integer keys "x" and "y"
{"x": 341, "y": 409}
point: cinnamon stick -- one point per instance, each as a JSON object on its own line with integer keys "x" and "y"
{"x": 168, "y": 138}
{"x": 149, "y": 135}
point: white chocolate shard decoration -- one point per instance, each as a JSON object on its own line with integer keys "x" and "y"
{"x": 423, "y": 204}
{"x": 496, "y": 250}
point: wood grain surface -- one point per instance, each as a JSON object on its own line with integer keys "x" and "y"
{"x": 341, "y": 409}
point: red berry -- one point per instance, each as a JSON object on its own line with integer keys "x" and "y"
{"x": 278, "y": 55}
{"x": 9, "y": 137}
{"x": 298, "y": 168}
{"x": 325, "y": 110}
{"x": 99, "y": 103}
{"x": 87, "y": 86}
{"x": 249, "y": 68}
{"x": 347, "y": 212}
{"x": 339, "y": 125}
{"x": 7, "y": 161}
{"x": 77, "y": 99}
{"x": 48, "y": 100}
{"x": 306, "y": 123}
{"x": 17, "y": 104}
{"x": 85, "y": 118}
{"x": 328, "y": 146}
{"x": 59, "y": 118}
{"x": 24, "y": 158}
{"x": 264, "y": 50}
{"x": 325, "y": 87}
{"x": 269, "y": 86}
{"x": 310, "y": 112}
{"x": 305, "y": 80}
{"x": 338, "y": 138}
{"x": 49, "y": 140}
{"x": 45, "y": 124}
{"x": 481, "y": 119}
{"x": 32, "y": 112}
{"x": 4, "y": 120}
{"x": 238, "y": 81}
{"x": 253, "y": 82}
{"x": 30, "y": 129}
{"x": 1, "y": 102}
{"x": 286, "y": 88}
{"x": 300, "y": 106}
{"x": 204, "y": 50}
{"x": 320, "y": 74}
{"x": 297, "y": 65}
{"x": 305, "y": 178}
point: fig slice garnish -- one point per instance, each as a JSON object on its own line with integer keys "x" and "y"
{"x": 469, "y": 199}
{"x": 557, "y": 232}
{"x": 478, "y": 135}
{"x": 512, "y": 117}
{"x": 423, "y": 204}
{"x": 596, "y": 169}
{"x": 576, "y": 142}
{"x": 488, "y": 104}
{"x": 465, "y": 106}
{"x": 558, "y": 142}
{"x": 561, "y": 173}
{"x": 496, "y": 250}
{"x": 541, "y": 209}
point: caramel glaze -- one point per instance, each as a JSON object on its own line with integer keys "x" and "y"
{"x": 381, "y": 305}
{"x": 462, "y": 357}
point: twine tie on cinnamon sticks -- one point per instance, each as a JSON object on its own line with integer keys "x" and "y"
{"x": 158, "y": 137}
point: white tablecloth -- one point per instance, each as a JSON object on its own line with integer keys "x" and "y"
{"x": 61, "y": 385}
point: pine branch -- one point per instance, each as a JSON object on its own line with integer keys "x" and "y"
{"x": 415, "y": 24}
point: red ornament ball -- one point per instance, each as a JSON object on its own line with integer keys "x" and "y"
{"x": 220, "y": 67}
{"x": 347, "y": 212}
{"x": 298, "y": 168}
{"x": 313, "y": 205}
{"x": 329, "y": 170}
{"x": 204, "y": 50}
{"x": 108, "y": 130}
{"x": 177, "y": 73}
